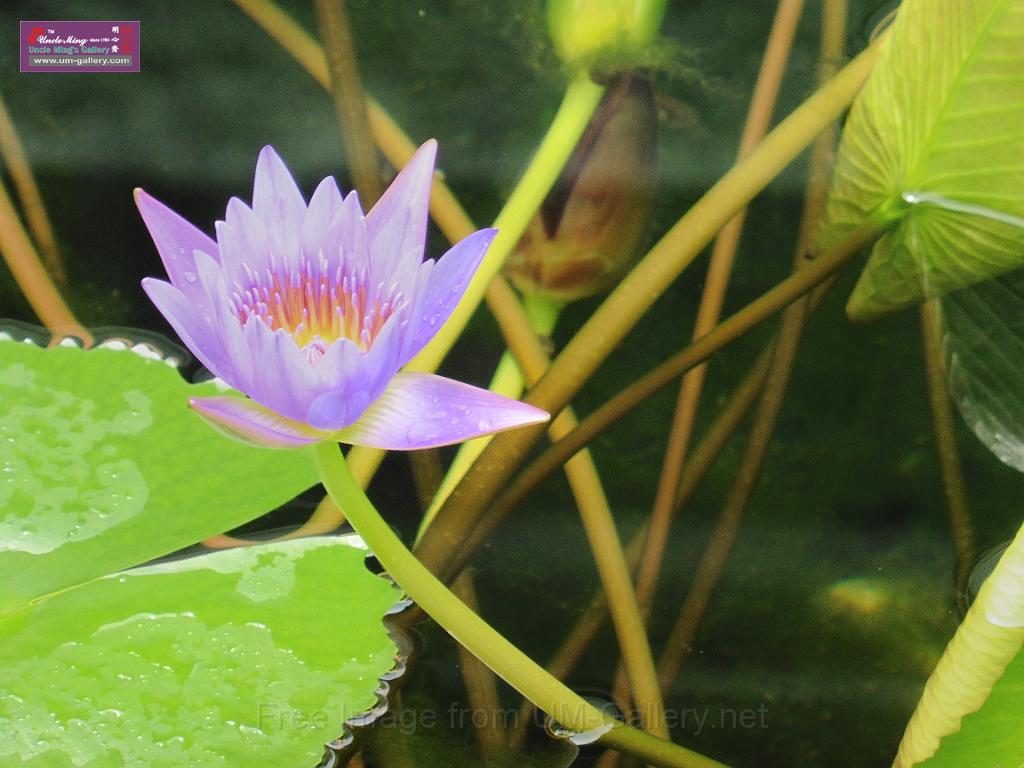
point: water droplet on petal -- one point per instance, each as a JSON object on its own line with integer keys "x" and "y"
{"x": 190, "y": 276}
{"x": 485, "y": 425}
{"x": 422, "y": 433}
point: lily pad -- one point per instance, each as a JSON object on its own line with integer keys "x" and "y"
{"x": 103, "y": 466}
{"x": 934, "y": 151}
{"x": 252, "y": 656}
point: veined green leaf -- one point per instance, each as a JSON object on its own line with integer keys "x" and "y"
{"x": 103, "y": 466}
{"x": 970, "y": 711}
{"x": 984, "y": 345}
{"x": 934, "y": 146}
{"x": 252, "y": 656}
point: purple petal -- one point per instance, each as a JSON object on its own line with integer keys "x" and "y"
{"x": 277, "y": 201}
{"x": 397, "y": 225}
{"x": 323, "y": 207}
{"x": 195, "y": 331}
{"x": 349, "y": 380}
{"x": 449, "y": 279}
{"x": 279, "y": 378}
{"x": 335, "y": 409}
{"x": 421, "y": 410}
{"x": 176, "y": 241}
{"x": 243, "y": 239}
{"x": 343, "y": 240}
{"x": 251, "y": 423}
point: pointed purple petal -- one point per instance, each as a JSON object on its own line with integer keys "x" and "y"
{"x": 421, "y": 410}
{"x": 449, "y": 279}
{"x": 251, "y": 423}
{"x": 397, "y": 225}
{"x": 243, "y": 239}
{"x": 323, "y": 207}
{"x": 343, "y": 240}
{"x": 176, "y": 241}
{"x": 279, "y": 204}
{"x": 194, "y": 330}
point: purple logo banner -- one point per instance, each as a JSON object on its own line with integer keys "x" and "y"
{"x": 79, "y": 46}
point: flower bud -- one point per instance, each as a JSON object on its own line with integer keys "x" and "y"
{"x": 589, "y": 229}
{"x": 585, "y": 29}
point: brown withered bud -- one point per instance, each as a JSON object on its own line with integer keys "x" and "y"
{"x": 589, "y": 230}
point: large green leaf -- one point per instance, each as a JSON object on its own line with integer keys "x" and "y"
{"x": 993, "y": 735}
{"x": 984, "y": 344}
{"x": 250, "y": 656}
{"x": 934, "y": 147}
{"x": 103, "y": 466}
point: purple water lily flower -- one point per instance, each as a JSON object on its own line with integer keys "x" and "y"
{"x": 311, "y": 310}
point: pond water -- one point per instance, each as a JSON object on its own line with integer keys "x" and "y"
{"x": 839, "y": 594}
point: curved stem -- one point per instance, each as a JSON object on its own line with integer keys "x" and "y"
{"x": 605, "y": 544}
{"x": 578, "y": 105}
{"x": 630, "y": 300}
{"x": 482, "y": 640}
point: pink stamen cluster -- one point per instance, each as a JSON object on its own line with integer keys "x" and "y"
{"x": 317, "y": 303}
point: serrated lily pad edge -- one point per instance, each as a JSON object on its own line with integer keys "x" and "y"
{"x": 157, "y": 347}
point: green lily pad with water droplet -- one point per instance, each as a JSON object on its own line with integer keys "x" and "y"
{"x": 252, "y": 656}
{"x": 103, "y": 466}
{"x": 934, "y": 150}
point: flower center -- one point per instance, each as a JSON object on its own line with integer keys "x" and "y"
{"x": 317, "y": 302}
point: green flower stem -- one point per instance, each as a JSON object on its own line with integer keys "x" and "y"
{"x": 634, "y": 295}
{"x": 482, "y": 640}
{"x": 578, "y": 105}
{"x": 598, "y": 523}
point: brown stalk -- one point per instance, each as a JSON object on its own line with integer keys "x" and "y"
{"x": 480, "y": 683}
{"x": 650, "y": 384}
{"x": 31, "y": 200}
{"x": 521, "y": 340}
{"x": 945, "y": 444}
{"x": 467, "y": 508}
{"x": 762, "y": 105}
{"x": 349, "y": 102}
{"x": 32, "y": 278}
{"x": 726, "y": 528}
